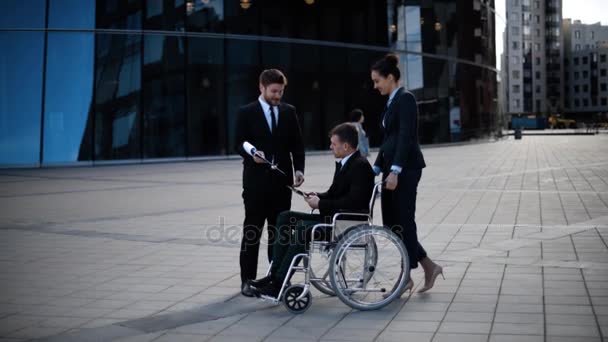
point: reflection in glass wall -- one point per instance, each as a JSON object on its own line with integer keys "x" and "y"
{"x": 175, "y": 92}
{"x": 166, "y": 15}
{"x": 68, "y": 97}
{"x": 164, "y": 92}
{"x": 205, "y": 90}
{"x": 115, "y": 14}
{"x": 243, "y": 68}
{"x": 117, "y": 97}
{"x": 205, "y": 16}
{"x": 304, "y": 91}
{"x": 413, "y": 42}
{"x": 73, "y": 14}
{"x": 22, "y": 14}
{"x": 21, "y": 63}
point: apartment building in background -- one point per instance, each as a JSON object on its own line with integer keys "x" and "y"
{"x": 585, "y": 69}
{"x": 533, "y": 54}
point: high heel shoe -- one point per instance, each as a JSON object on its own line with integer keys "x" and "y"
{"x": 437, "y": 270}
{"x": 409, "y": 286}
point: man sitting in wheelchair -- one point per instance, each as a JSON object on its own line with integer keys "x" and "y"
{"x": 350, "y": 191}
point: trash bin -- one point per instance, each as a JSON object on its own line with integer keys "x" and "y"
{"x": 517, "y": 133}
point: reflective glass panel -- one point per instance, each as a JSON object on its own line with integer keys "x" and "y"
{"x": 243, "y": 59}
{"x": 166, "y": 15}
{"x": 20, "y": 96}
{"x": 205, "y": 15}
{"x": 164, "y": 97}
{"x": 22, "y": 14}
{"x": 117, "y": 97}
{"x": 72, "y": 14}
{"x": 68, "y": 98}
{"x": 205, "y": 87}
{"x": 119, "y": 14}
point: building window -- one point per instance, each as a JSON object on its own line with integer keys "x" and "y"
{"x": 576, "y": 103}
{"x": 515, "y": 30}
{"x": 577, "y": 47}
{"x": 537, "y": 74}
{"x": 585, "y": 88}
{"x": 603, "y": 87}
{"x": 585, "y": 103}
{"x": 576, "y": 90}
{"x": 603, "y": 58}
{"x": 537, "y": 46}
{"x": 577, "y": 34}
{"x": 515, "y": 59}
{"x": 604, "y": 101}
{"x": 603, "y": 72}
{"x": 538, "y": 105}
{"x": 575, "y": 60}
{"x": 516, "y": 89}
{"x": 592, "y": 35}
{"x": 514, "y": 45}
{"x": 538, "y": 89}
{"x": 526, "y": 30}
{"x": 537, "y": 32}
{"x": 537, "y": 4}
{"x": 585, "y": 74}
{"x": 585, "y": 60}
{"x": 576, "y": 75}
{"x": 515, "y": 74}
{"x": 537, "y": 18}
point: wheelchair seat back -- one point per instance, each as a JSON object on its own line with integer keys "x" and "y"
{"x": 343, "y": 221}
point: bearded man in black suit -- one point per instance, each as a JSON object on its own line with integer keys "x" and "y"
{"x": 272, "y": 127}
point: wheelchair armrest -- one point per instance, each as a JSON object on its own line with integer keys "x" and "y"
{"x": 313, "y": 211}
{"x": 351, "y": 217}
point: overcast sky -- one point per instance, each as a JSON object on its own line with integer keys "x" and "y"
{"x": 588, "y": 11}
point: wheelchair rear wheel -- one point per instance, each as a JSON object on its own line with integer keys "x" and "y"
{"x": 369, "y": 267}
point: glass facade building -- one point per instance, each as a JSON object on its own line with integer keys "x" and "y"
{"x": 95, "y": 81}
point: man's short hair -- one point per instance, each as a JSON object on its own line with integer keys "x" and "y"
{"x": 355, "y": 115}
{"x": 347, "y": 133}
{"x": 270, "y": 76}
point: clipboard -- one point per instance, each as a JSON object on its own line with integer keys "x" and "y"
{"x": 298, "y": 191}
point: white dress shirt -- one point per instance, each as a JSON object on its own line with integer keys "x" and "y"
{"x": 266, "y": 108}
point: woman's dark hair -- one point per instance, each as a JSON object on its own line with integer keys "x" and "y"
{"x": 355, "y": 115}
{"x": 388, "y": 65}
{"x": 270, "y": 76}
{"x": 347, "y": 133}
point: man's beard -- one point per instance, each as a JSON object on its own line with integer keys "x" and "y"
{"x": 271, "y": 101}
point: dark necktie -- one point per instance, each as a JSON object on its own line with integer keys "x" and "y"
{"x": 338, "y": 167}
{"x": 273, "y": 120}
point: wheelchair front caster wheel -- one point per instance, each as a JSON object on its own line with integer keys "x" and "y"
{"x": 290, "y": 299}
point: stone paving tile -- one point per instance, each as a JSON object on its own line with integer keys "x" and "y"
{"x": 520, "y": 226}
{"x": 516, "y": 338}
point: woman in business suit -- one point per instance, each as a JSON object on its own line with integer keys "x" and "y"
{"x": 401, "y": 162}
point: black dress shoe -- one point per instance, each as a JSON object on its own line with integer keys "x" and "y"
{"x": 246, "y": 290}
{"x": 272, "y": 289}
{"x": 259, "y": 283}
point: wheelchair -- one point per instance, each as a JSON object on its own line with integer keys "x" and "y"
{"x": 365, "y": 265}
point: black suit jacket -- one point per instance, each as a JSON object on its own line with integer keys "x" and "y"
{"x": 400, "y": 146}
{"x": 351, "y": 188}
{"x": 286, "y": 146}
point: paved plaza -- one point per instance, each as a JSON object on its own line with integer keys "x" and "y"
{"x": 150, "y": 252}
